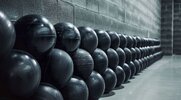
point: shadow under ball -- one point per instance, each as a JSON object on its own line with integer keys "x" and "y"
{"x": 20, "y": 74}
{"x": 100, "y": 60}
{"x": 68, "y": 37}
{"x": 115, "y": 40}
{"x": 122, "y": 56}
{"x": 35, "y": 34}
{"x": 96, "y": 85}
{"x": 58, "y": 68}
{"x": 46, "y": 91}
{"x": 7, "y": 35}
{"x": 110, "y": 80}
{"x": 113, "y": 58}
{"x": 75, "y": 89}
{"x": 83, "y": 63}
{"x": 89, "y": 39}
{"x": 104, "y": 40}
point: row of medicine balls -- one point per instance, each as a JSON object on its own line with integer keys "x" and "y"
{"x": 40, "y": 61}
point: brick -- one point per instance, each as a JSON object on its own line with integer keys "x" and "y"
{"x": 93, "y": 5}
{"x": 12, "y": 8}
{"x": 113, "y": 10}
{"x": 169, "y": 7}
{"x": 103, "y": 7}
{"x": 177, "y": 1}
{"x": 70, "y": 1}
{"x": 32, "y": 7}
{"x": 65, "y": 12}
{"x": 114, "y": 25}
{"x": 98, "y": 21}
{"x": 106, "y": 23}
{"x": 83, "y": 17}
{"x": 166, "y": 1}
{"x": 176, "y": 6}
{"x": 50, "y": 9}
{"x": 81, "y": 3}
{"x": 121, "y": 14}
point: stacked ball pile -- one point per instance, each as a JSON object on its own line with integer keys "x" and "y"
{"x": 41, "y": 61}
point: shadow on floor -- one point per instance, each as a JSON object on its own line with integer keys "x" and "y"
{"x": 127, "y": 82}
{"x": 108, "y": 94}
{"x": 118, "y": 88}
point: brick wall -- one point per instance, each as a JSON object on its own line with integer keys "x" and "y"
{"x": 177, "y": 27}
{"x": 171, "y": 26}
{"x": 134, "y": 17}
{"x": 166, "y": 26}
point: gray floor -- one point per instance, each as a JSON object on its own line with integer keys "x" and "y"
{"x": 161, "y": 81}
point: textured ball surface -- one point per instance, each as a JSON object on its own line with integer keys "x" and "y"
{"x": 7, "y": 35}
{"x": 75, "y": 89}
{"x": 83, "y": 63}
{"x": 20, "y": 74}
{"x": 89, "y": 39}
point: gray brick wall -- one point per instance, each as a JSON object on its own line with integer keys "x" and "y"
{"x": 166, "y": 26}
{"x": 177, "y": 28}
{"x": 171, "y": 26}
{"x": 133, "y": 17}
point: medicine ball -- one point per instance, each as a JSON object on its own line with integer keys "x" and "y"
{"x": 120, "y": 75}
{"x": 68, "y": 37}
{"x": 35, "y": 34}
{"x": 89, "y": 39}
{"x": 138, "y": 53}
{"x": 133, "y": 69}
{"x": 58, "y": 69}
{"x": 134, "y": 53}
{"x": 96, "y": 86}
{"x": 83, "y": 63}
{"x": 145, "y": 61}
{"x": 113, "y": 58}
{"x": 115, "y": 40}
{"x": 141, "y": 42}
{"x": 20, "y": 74}
{"x": 122, "y": 56}
{"x": 7, "y": 35}
{"x": 46, "y": 91}
{"x": 127, "y": 71}
{"x": 75, "y": 89}
{"x": 128, "y": 55}
{"x": 123, "y": 41}
{"x": 141, "y": 64}
{"x": 110, "y": 80}
{"x": 138, "y": 39}
{"x": 129, "y": 42}
{"x": 100, "y": 60}
{"x": 134, "y": 42}
{"x": 104, "y": 40}
{"x": 137, "y": 65}
{"x": 142, "y": 52}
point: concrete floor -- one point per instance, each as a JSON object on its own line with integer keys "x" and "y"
{"x": 161, "y": 81}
